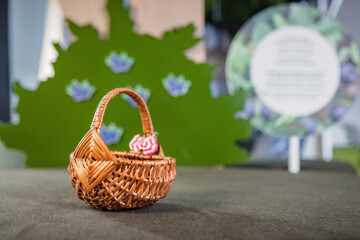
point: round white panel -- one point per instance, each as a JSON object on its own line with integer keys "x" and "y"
{"x": 295, "y": 71}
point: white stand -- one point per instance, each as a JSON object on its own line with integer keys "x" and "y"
{"x": 326, "y": 145}
{"x": 294, "y": 155}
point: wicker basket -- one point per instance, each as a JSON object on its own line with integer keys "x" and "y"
{"x": 112, "y": 180}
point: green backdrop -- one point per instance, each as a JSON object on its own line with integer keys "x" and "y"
{"x": 195, "y": 128}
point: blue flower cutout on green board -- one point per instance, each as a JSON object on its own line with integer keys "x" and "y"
{"x": 176, "y": 86}
{"x": 80, "y": 91}
{"x": 111, "y": 134}
{"x": 119, "y": 63}
{"x": 143, "y": 92}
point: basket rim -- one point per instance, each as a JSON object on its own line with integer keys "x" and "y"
{"x": 129, "y": 155}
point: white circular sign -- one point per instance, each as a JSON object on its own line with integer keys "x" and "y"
{"x": 295, "y": 71}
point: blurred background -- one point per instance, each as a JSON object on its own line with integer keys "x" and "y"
{"x": 29, "y": 29}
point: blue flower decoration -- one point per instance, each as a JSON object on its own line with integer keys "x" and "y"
{"x": 349, "y": 73}
{"x": 247, "y": 112}
{"x": 111, "y": 134}
{"x": 309, "y": 124}
{"x": 80, "y": 91}
{"x": 176, "y": 86}
{"x": 338, "y": 111}
{"x": 143, "y": 92}
{"x": 119, "y": 63}
{"x": 265, "y": 113}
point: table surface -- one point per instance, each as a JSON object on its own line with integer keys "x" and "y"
{"x": 204, "y": 203}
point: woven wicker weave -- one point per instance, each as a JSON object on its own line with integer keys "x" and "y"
{"x": 115, "y": 180}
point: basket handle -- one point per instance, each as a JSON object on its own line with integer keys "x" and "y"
{"x": 144, "y": 111}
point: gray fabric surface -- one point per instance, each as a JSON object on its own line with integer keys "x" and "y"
{"x": 204, "y": 203}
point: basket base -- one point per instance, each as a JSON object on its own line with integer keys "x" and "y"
{"x": 102, "y": 201}
{"x": 116, "y": 207}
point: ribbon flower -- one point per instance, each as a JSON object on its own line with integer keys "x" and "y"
{"x": 148, "y": 145}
